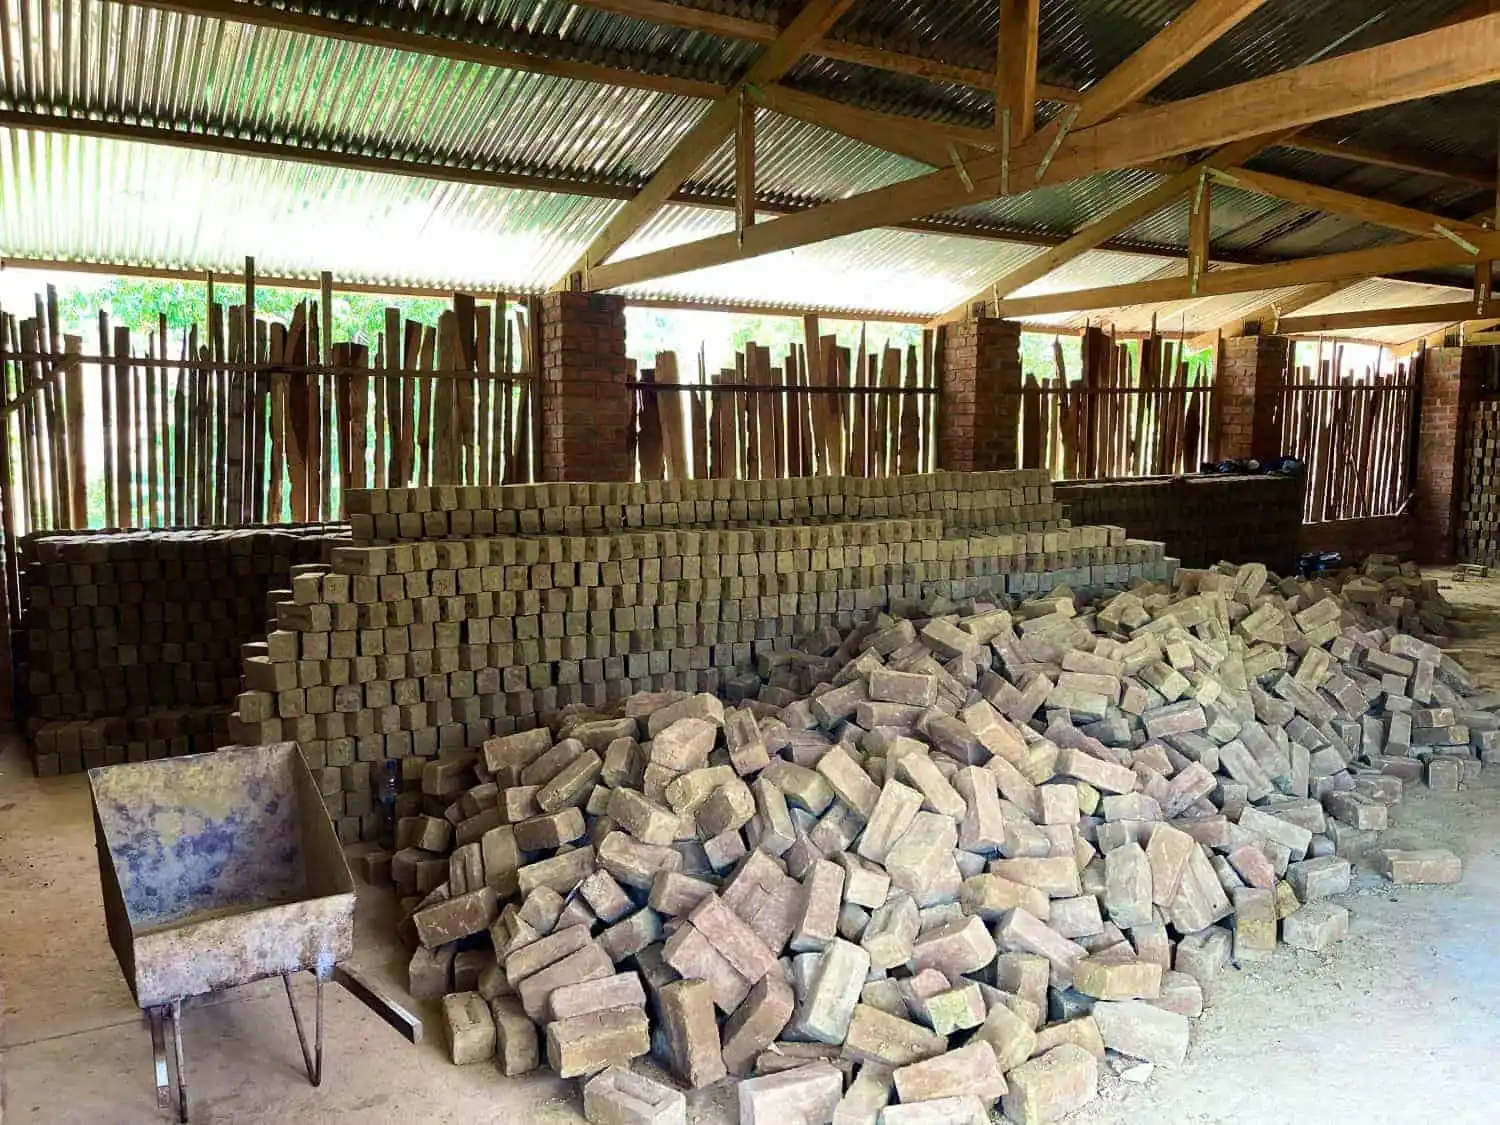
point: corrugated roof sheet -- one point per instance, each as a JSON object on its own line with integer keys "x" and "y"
{"x": 82, "y": 199}
{"x": 128, "y": 64}
{"x": 886, "y": 270}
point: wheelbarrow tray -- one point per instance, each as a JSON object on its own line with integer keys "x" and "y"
{"x": 219, "y": 869}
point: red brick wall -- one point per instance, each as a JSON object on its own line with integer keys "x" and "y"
{"x": 1451, "y": 379}
{"x": 980, "y": 412}
{"x": 1252, "y": 370}
{"x": 585, "y": 403}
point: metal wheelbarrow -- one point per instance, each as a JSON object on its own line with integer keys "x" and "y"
{"x": 219, "y": 869}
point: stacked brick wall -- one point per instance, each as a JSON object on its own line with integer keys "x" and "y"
{"x": 585, "y": 402}
{"x": 132, "y": 640}
{"x": 980, "y": 411}
{"x": 414, "y": 648}
{"x": 1201, "y": 520}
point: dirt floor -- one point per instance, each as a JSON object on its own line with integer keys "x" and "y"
{"x": 1398, "y": 1024}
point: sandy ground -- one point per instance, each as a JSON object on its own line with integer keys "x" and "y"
{"x": 1397, "y": 1024}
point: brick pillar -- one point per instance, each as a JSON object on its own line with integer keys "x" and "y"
{"x": 979, "y": 416}
{"x": 1451, "y": 378}
{"x": 1252, "y": 371}
{"x": 586, "y": 411}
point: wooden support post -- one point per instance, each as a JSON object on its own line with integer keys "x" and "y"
{"x": 744, "y": 165}
{"x": 1015, "y": 78}
{"x": 1199, "y": 231}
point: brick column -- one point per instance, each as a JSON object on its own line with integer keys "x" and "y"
{"x": 979, "y": 416}
{"x": 1451, "y": 378}
{"x": 586, "y": 411}
{"x": 1247, "y": 387}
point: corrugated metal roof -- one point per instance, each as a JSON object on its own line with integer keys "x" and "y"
{"x": 887, "y": 270}
{"x": 1385, "y": 293}
{"x": 128, "y": 64}
{"x": 83, "y": 199}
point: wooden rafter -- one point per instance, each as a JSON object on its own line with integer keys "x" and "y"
{"x": 1399, "y": 162}
{"x": 1271, "y": 313}
{"x": 347, "y": 31}
{"x": 1353, "y": 266}
{"x": 1169, "y": 51}
{"x": 1430, "y": 63}
{"x": 912, "y": 137}
{"x": 1424, "y": 65}
{"x": 809, "y": 25}
{"x": 1452, "y": 312}
{"x": 1422, "y": 224}
{"x": 1106, "y": 227}
{"x": 1015, "y": 77}
{"x": 755, "y": 31}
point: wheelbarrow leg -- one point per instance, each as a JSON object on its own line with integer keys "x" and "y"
{"x": 313, "y": 1061}
{"x": 156, "y": 1016}
{"x": 182, "y": 1108}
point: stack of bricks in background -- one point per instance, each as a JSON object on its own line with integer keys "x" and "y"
{"x": 132, "y": 639}
{"x": 1479, "y": 492}
{"x": 403, "y": 650}
{"x": 1201, "y": 520}
{"x": 1018, "y": 501}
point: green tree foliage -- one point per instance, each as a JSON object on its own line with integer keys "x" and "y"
{"x": 135, "y": 303}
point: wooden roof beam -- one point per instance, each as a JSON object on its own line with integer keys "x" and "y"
{"x": 1353, "y": 266}
{"x": 952, "y": 186}
{"x": 436, "y": 46}
{"x": 1099, "y": 232}
{"x": 1422, "y": 224}
{"x": 1015, "y": 71}
{"x": 1424, "y": 65}
{"x": 1452, "y": 312}
{"x": 915, "y": 138}
{"x": 1272, "y": 313}
{"x": 809, "y": 25}
{"x": 1181, "y": 41}
{"x": 1360, "y": 154}
{"x": 756, "y": 31}
{"x": 163, "y": 136}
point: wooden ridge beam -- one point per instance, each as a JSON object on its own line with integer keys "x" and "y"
{"x": 437, "y": 46}
{"x": 698, "y": 144}
{"x": 1352, "y": 266}
{"x": 1422, "y": 224}
{"x": 1432, "y": 62}
{"x": 1451, "y": 312}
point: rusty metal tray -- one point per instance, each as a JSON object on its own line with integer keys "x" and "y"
{"x": 219, "y": 869}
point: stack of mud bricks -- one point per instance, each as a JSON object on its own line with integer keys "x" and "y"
{"x": 1017, "y": 501}
{"x": 405, "y": 649}
{"x": 1479, "y": 502}
{"x": 132, "y": 639}
{"x": 1202, "y": 520}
